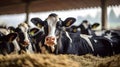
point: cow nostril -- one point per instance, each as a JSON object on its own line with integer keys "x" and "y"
{"x": 26, "y": 42}
{"x": 47, "y": 39}
{"x": 50, "y": 39}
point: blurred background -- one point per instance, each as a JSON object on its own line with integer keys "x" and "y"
{"x": 14, "y": 12}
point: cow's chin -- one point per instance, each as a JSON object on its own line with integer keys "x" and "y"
{"x": 24, "y": 44}
{"x": 52, "y": 45}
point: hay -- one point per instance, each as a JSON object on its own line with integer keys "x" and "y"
{"x": 50, "y": 60}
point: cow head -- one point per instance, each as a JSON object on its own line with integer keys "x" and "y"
{"x": 86, "y": 27}
{"x": 23, "y": 37}
{"x": 52, "y": 25}
{"x": 6, "y": 43}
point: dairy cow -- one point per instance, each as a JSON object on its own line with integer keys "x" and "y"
{"x": 86, "y": 28}
{"x": 24, "y": 40}
{"x": 53, "y": 33}
{"x": 8, "y": 42}
{"x": 112, "y": 35}
{"x": 97, "y": 45}
{"x": 56, "y": 39}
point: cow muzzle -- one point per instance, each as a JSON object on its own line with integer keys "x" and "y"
{"x": 50, "y": 41}
{"x": 25, "y": 43}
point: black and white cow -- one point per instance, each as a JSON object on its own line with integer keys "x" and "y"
{"x": 36, "y": 37}
{"x": 112, "y": 35}
{"x": 83, "y": 44}
{"x": 53, "y": 32}
{"x": 24, "y": 39}
{"x": 56, "y": 39}
{"x": 8, "y": 42}
{"x": 86, "y": 28}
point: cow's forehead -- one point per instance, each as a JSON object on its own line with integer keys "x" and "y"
{"x": 23, "y": 25}
{"x": 52, "y": 19}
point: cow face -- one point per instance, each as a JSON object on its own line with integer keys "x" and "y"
{"x": 85, "y": 24}
{"x": 52, "y": 25}
{"x": 6, "y": 43}
{"x": 23, "y": 37}
{"x": 86, "y": 27}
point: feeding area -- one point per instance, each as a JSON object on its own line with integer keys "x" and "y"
{"x": 57, "y": 33}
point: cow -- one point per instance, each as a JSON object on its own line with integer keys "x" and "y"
{"x": 8, "y": 44}
{"x": 97, "y": 45}
{"x": 86, "y": 27}
{"x": 53, "y": 32}
{"x": 24, "y": 40}
{"x": 107, "y": 36}
{"x": 112, "y": 35}
{"x": 36, "y": 36}
{"x": 56, "y": 39}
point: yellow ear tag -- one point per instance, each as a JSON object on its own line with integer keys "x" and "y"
{"x": 74, "y": 30}
{"x": 32, "y": 33}
{"x": 68, "y": 23}
{"x": 40, "y": 26}
{"x": 94, "y": 27}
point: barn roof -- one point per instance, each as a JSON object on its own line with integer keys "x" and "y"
{"x": 18, "y": 6}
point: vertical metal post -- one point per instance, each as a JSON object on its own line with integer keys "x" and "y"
{"x": 104, "y": 15}
{"x": 27, "y": 12}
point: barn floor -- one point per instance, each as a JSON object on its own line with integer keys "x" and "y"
{"x": 49, "y": 60}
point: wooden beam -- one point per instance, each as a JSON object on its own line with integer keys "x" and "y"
{"x": 104, "y": 15}
{"x": 18, "y": 2}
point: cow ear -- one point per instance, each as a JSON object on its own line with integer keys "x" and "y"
{"x": 95, "y": 25}
{"x": 11, "y": 29}
{"x": 38, "y": 22}
{"x": 69, "y": 21}
{"x": 33, "y": 31}
{"x": 10, "y": 37}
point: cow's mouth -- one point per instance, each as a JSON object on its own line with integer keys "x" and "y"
{"x": 49, "y": 43}
{"x": 24, "y": 44}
